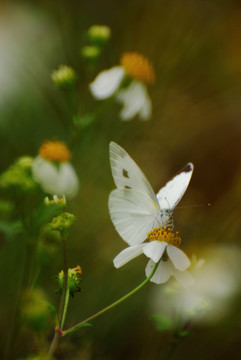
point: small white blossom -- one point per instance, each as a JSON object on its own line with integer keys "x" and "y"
{"x": 52, "y": 170}
{"x": 133, "y": 97}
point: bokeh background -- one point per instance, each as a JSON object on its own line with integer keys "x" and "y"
{"x": 194, "y": 46}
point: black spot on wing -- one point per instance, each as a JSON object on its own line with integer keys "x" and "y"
{"x": 125, "y": 173}
{"x": 127, "y": 187}
{"x": 187, "y": 168}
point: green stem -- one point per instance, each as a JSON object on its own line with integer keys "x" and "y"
{"x": 63, "y": 304}
{"x": 65, "y": 285}
{"x": 66, "y": 302}
{"x": 123, "y": 298}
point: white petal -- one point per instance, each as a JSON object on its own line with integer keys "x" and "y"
{"x": 127, "y": 255}
{"x": 107, "y": 82}
{"x": 46, "y": 174}
{"x": 163, "y": 271}
{"x": 135, "y": 100}
{"x": 146, "y": 109}
{"x": 55, "y": 180}
{"x": 154, "y": 250}
{"x": 178, "y": 258}
{"x": 184, "y": 278}
{"x": 68, "y": 182}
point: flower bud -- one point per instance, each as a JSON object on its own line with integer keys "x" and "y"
{"x": 62, "y": 222}
{"x": 73, "y": 280}
{"x": 99, "y": 34}
{"x": 18, "y": 177}
{"x": 90, "y": 52}
{"x": 64, "y": 77}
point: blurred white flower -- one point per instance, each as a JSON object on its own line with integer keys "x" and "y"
{"x": 52, "y": 170}
{"x": 217, "y": 280}
{"x": 128, "y": 83}
{"x": 162, "y": 247}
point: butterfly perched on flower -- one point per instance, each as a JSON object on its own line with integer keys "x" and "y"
{"x": 139, "y": 214}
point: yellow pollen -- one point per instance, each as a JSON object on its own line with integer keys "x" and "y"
{"x": 165, "y": 234}
{"x": 55, "y": 151}
{"x": 138, "y": 67}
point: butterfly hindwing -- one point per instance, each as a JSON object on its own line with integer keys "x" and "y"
{"x": 133, "y": 213}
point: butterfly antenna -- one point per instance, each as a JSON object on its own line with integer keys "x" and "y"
{"x": 189, "y": 206}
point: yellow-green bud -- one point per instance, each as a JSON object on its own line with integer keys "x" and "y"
{"x": 99, "y": 34}
{"x": 18, "y": 176}
{"x": 73, "y": 280}
{"x": 35, "y": 311}
{"x": 64, "y": 77}
{"x": 62, "y": 222}
{"x": 25, "y": 162}
{"x": 90, "y": 52}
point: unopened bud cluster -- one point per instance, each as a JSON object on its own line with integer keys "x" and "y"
{"x": 98, "y": 35}
{"x": 18, "y": 177}
{"x": 62, "y": 222}
{"x": 74, "y": 277}
{"x": 64, "y": 77}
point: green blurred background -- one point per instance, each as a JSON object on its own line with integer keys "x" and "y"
{"x": 195, "y": 47}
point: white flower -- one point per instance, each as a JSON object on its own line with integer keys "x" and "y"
{"x": 133, "y": 97}
{"x": 173, "y": 261}
{"x": 217, "y": 282}
{"x": 52, "y": 170}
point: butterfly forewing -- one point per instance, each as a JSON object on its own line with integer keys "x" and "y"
{"x": 170, "y": 195}
{"x": 127, "y": 174}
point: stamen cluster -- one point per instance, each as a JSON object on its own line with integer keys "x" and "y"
{"x": 165, "y": 234}
{"x": 55, "y": 151}
{"x": 138, "y": 67}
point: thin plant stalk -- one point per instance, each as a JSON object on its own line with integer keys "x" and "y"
{"x": 123, "y": 298}
{"x": 63, "y": 304}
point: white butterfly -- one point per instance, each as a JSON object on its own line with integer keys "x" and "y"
{"x": 134, "y": 208}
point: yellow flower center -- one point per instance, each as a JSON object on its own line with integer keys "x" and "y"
{"x": 165, "y": 234}
{"x": 138, "y": 67}
{"x": 55, "y": 151}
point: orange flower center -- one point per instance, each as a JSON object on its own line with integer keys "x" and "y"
{"x": 55, "y": 151}
{"x": 138, "y": 67}
{"x": 165, "y": 234}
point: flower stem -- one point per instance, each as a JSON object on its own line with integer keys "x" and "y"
{"x": 66, "y": 302}
{"x": 63, "y": 304}
{"x": 65, "y": 285}
{"x": 123, "y": 298}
